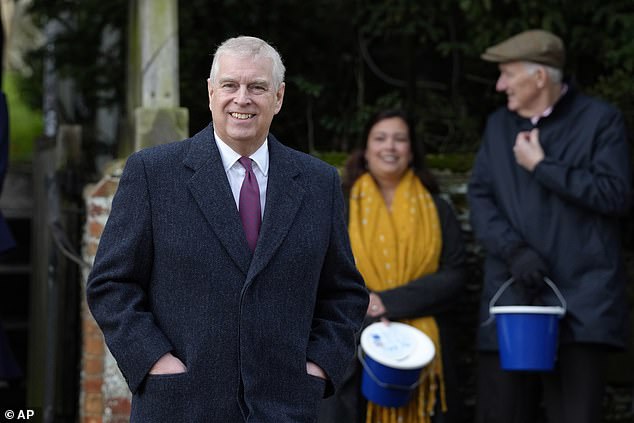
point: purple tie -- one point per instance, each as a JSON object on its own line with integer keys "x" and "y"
{"x": 249, "y": 204}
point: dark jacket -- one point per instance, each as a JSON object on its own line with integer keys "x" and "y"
{"x": 566, "y": 210}
{"x": 6, "y": 238}
{"x": 174, "y": 273}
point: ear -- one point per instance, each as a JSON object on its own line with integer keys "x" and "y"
{"x": 279, "y": 97}
{"x": 210, "y": 90}
{"x": 541, "y": 77}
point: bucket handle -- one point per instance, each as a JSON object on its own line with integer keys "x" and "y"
{"x": 382, "y": 384}
{"x": 510, "y": 281}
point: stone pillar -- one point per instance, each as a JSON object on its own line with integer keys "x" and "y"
{"x": 158, "y": 119}
{"x": 158, "y": 30}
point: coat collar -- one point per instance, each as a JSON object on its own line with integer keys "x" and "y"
{"x": 284, "y": 195}
{"x": 561, "y": 107}
{"x": 210, "y": 188}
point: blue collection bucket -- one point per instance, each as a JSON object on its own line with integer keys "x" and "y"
{"x": 393, "y": 355}
{"x": 527, "y": 335}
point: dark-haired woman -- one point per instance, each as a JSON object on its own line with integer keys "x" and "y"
{"x": 408, "y": 246}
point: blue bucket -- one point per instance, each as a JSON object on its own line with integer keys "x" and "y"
{"x": 393, "y": 356}
{"x": 527, "y": 335}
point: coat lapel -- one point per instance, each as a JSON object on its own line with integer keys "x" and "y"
{"x": 284, "y": 196}
{"x": 210, "y": 188}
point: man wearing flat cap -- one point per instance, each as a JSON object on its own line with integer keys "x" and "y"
{"x": 549, "y": 183}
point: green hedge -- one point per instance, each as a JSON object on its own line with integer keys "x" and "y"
{"x": 455, "y": 162}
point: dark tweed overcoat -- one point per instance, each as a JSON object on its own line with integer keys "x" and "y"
{"x": 173, "y": 272}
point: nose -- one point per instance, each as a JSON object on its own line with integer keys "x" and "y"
{"x": 242, "y": 95}
{"x": 501, "y": 84}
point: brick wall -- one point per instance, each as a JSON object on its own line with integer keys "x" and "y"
{"x": 104, "y": 395}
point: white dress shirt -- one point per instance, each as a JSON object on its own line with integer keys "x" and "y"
{"x": 235, "y": 171}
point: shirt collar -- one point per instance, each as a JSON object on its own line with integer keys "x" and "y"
{"x": 549, "y": 110}
{"x": 229, "y": 157}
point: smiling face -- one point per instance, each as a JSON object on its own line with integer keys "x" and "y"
{"x": 388, "y": 150}
{"x": 522, "y": 87}
{"x": 243, "y": 101}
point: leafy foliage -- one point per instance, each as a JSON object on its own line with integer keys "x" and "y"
{"x": 25, "y": 124}
{"x": 347, "y": 59}
{"x": 83, "y": 52}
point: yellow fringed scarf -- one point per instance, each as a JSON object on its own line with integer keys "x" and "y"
{"x": 392, "y": 248}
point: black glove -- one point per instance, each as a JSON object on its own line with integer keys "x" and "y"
{"x": 528, "y": 269}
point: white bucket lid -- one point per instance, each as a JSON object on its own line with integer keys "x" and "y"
{"x": 560, "y": 311}
{"x": 397, "y": 345}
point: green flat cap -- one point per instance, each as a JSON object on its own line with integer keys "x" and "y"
{"x": 534, "y": 45}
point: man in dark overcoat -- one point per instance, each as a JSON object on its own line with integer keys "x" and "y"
{"x": 549, "y": 183}
{"x": 224, "y": 282}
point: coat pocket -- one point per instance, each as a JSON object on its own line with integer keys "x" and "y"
{"x": 314, "y": 393}
{"x": 162, "y": 398}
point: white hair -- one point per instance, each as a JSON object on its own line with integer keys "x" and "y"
{"x": 250, "y": 47}
{"x": 554, "y": 75}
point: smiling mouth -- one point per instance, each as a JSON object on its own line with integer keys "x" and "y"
{"x": 242, "y": 116}
{"x": 389, "y": 159}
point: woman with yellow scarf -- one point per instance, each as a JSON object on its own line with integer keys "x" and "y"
{"x": 408, "y": 246}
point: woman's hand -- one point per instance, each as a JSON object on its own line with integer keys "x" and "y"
{"x": 375, "y": 307}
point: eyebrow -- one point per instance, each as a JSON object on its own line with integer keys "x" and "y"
{"x": 255, "y": 81}
{"x": 262, "y": 82}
